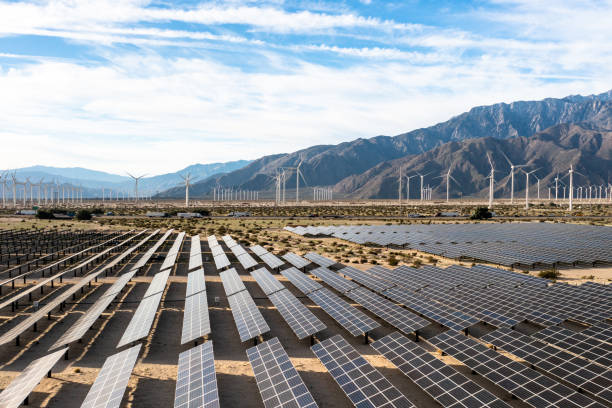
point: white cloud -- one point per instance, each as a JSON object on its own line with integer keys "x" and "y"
{"x": 147, "y": 113}
{"x": 163, "y": 114}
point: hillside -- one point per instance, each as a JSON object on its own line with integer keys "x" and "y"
{"x": 325, "y": 165}
{"x": 550, "y": 151}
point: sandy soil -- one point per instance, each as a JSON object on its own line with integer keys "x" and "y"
{"x": 152, "y": 382}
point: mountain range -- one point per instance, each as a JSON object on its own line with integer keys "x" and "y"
{"x": 93, "y": 181}
{"x": 547, "y": 135}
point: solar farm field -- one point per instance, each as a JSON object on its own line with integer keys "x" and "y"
{"x": 162, "y": 318}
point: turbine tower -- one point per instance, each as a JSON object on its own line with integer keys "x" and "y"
{"x": 399, "y": 194}
{"x": 512, "y": 167}
{"x": 408, "y": 186}
{"x": 187, "y": 181}
{"x": 571, "y": 186}
{"x": 448, "y": 179}
{"x": 527, "y": 173}
{"x": 422, "y": 178}
{"x": 136, "y": 184}
{"x": 298, "y": 174}
{"x": 491, "y": 181}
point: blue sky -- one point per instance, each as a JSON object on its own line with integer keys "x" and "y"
{"x": 153, "y": 86}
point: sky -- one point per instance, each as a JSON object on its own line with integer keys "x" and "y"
{"x": 154, "y": 86}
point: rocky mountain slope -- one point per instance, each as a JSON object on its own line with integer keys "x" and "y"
{"x": 326, "y": 165}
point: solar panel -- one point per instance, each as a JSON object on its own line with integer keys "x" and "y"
{"x": 173, "y": 252}
{"x": 108, "y": 389}
{"x": 366, "y": 279}
{"x": 577, "y": 371}
{"x": 393, "y": 314}
{"x": 246, "y": 260}
{"x": 301, "y": 320}
{"x": 19, "y": 389}
{"x": 363, "y": 384}
{"x": 195, "y": 261}
{"x": 442, "y": 314}
{"x": 217, "y": 250}
{"x": 196, "y": 322}
{"x": 158, "y": 283}
{"x": 577, "y": 343}
{"x": 141, "y": 320}
{"x": 212, "y": 241}
{"x": 231, "y": 282}
{"x": 271, "y": 260}
{"x": 296, "y": 260}
{"x": 196, "y": 282}
{"x": 334, "y": 280}
{"x": 196, "y": 246}
{"x": 352, "y": 319}
{"x": 145, "y": 258}
{"x": 442, "y": 382}
{"x": 196, "y": 382}
{"x": 301, "y": 281}
{"x": 522, "y": 382}
{"x": 16, "y": 331}
{"x": 278, "y": 381}
{"x": 258, "y": 250}
{"x": 221, "y": 261}
{"x": 601, "y": 331}
{"x": 266, "y": 281}
{"x": 249, "y": 321}
{"x": 319, "y": 260}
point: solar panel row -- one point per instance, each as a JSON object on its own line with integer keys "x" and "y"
{"x": 524, "y": 383}
{"x": 445, "y": 384}
{"x": 196, "y": 382}
{"x": 278, "y": 381}
{"x": 363, "y": 384}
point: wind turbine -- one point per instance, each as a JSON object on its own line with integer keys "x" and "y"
{"x": 448, "y": 178}
{"x": 422, "y": 178}
{"x": 527, "y": 173}
{"x": 491, "y": 181}
{"x": 399, "y": 194}
{"x": 557, "y": 187}
{"x": 538, "y": 179}
{"x": 512, "y": 167}
{"x": 136, "y": 184}
{"x": 3, "y": 178}
{"x": 187, "y": 181}
{"x": 408, "y": 186}
{"x": 298, "y": 174}
{"x": 14, "y": 177}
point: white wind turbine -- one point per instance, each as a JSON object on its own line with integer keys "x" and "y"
{"x": 14, "y": 177}
{"x": 298, "y": 174}
{"x": 527, "y": 173}
{"x": 512, "y": 167}
{"x": 3, "y": 178}
{"x": 491, "y": 181}
{"x": 408, "y": 186}
{"x": 448, "y": 179}
{"x": 422, "y": 176}
{"x": 399, "y": 195}
{"x": 538, "y": 179}
{"x": 136, "y": 184}
{"x": 187, "y": 181}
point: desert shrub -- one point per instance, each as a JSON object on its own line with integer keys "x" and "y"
{"x": 392, "y": 260}
{"x": 549, "y": 274}
{"x": 481, "y": 213}
{"x": 44, "y": 215}
{"x": 83, "y": 215}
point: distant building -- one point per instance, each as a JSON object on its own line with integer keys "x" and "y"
{"x": 449, "y": 214}
{"x": 189, "y": 215}
{"x": 26, "y": 212}
{"x": 156, "y": 214}
{"x": 239, "y": 214}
